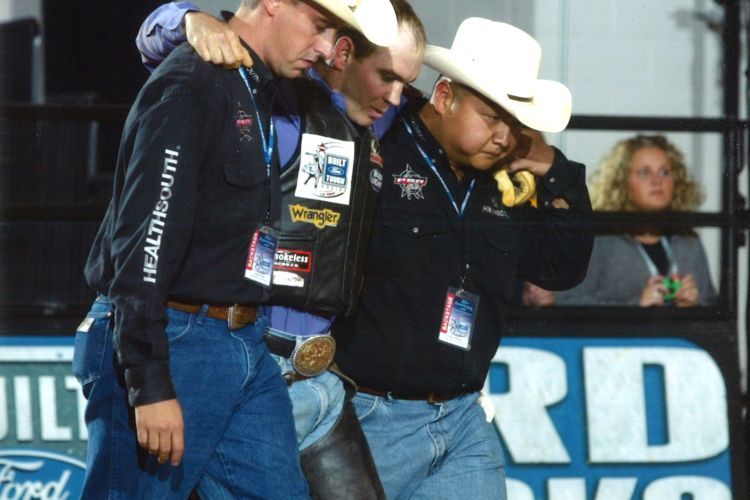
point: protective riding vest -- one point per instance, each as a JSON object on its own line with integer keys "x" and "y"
{"x": 329, "y": 195}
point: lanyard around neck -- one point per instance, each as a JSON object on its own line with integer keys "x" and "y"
{"x": 434, "y": 169}
{"x": 267, "y": 144}
{"x": 652, "y": 269}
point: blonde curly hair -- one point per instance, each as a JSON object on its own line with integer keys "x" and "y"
{"x": 609, "y": 184}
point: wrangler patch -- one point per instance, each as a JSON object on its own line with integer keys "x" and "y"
{"x": 318, "y": 218}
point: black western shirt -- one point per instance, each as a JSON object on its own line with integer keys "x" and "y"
{"x": 191, "y": 185}
{"x": 421, "y": 247}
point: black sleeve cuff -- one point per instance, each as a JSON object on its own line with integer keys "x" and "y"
{"x": 149, "y": 384}
{"x": 565, "y": 179}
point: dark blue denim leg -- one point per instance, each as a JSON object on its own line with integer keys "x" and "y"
{"x": 112, "y": 445}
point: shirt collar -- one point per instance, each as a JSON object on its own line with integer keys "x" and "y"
{"x": 260, "y": 75}
{"x": 337, "y": 98}
{"x": 429, "y": 144}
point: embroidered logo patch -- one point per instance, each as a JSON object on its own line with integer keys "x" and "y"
{"x": 376, "y": 179}
{"x": 326, "y": 169}
{"x": 318, "y": 218}
{"x": 293, "y": 260}
{"x": 495, "y": 208}
{"x": 411, "y": 183}
{"x": 375, "y": 152}
{"x": 244, "y": 124}
{"x": 285, "y": 278}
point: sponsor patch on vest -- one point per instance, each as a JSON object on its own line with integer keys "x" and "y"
{"x": 285, "y": 278}
{"x": 376, "y": 179}
{"x": 325, "y": 171}
{"x": 318, "y": 218}
{"x": 375, "y": 152}
{"x": 293, "y": 260}
{"x": 244, "y": 124}
{"x": 411, "y": 183}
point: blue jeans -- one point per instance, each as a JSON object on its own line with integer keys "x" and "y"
{"x": 433, "y": 451}
{"x": 236, "y": 410}
{"x": 316, "y": 403}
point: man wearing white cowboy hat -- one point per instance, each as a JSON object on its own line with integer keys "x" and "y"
{"x": 179, "y": 268}
{"x": 447, "y": 254}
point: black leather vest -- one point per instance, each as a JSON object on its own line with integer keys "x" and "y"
{"x": 328, "y": 204}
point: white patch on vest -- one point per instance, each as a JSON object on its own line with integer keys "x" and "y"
{"x": 326, "y": 167}
{"x": 284, "y": 278}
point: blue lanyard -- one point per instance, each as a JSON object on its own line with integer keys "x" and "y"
{"x": 434, "y": 169}
{"x": 653, "y": 271}
{"x": 267, "y": 146}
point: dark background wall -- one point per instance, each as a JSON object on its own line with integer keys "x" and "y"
{"x": 89, "y": 47}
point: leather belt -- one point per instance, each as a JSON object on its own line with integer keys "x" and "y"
{"x": 429, "y": 397}
{"x": 235, "y": 315}
{"x": 310, "y": 355}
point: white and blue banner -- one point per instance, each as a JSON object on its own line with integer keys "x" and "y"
{"x": 611, "y": 419}
{"x": 580, "y": 418}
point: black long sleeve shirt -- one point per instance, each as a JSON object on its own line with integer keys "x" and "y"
{"x": 191, "y": 185}
{"x": 421, "y": 247}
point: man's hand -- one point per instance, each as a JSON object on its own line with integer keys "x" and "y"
{"x": 535, "y": 296}
{"x": 215, "y": 41}
{"x": 533, "y": 154}
{"x": 160, "y": 430}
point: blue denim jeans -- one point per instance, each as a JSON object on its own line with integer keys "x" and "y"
{"x": 433, "y": 451}
{"x": 237, "y": 414}
{"x": 316, "y": 403}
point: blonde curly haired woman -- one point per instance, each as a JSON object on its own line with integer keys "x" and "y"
{"x": 646, "y": 266}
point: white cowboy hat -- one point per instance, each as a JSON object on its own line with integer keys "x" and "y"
{"x": 375, "y": 19}
{"x": 501, "y": 62}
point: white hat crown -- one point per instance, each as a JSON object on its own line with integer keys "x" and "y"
{"x": 375, "y": 19}
{"x": 502, "y": 63}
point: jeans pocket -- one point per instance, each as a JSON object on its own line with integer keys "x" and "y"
{"x": 179, "y": 326}
{"x": 92, "y": 342}
{"x": 365, "y": 405}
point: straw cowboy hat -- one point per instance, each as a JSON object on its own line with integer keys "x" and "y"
{"x": 373, "y": 18}
{"x": 501, "y": 62}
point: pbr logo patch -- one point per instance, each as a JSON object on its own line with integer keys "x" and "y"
{"x": 411, "y": 183}
{"x": 326, "y": 169}
{"x": 244, "y": 124}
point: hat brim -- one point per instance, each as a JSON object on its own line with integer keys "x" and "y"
{"x": 548, "y": 110}
{"x": 375, "y": 19}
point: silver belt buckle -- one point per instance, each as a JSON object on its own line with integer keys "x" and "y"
{"x": 313, "y": 354}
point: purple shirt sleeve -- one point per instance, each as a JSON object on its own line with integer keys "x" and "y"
{"x": 160, "y": 33}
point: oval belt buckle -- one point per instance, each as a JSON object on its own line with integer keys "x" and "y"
{"x": 313, "y": 355}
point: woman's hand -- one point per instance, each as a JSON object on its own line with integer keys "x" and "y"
{"x": 687, "y": 295}
{"x": 653, "y": 293}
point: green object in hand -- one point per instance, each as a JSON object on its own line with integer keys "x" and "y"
{"x": 672, "y": 286}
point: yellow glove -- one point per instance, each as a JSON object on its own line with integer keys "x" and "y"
{"x": 517, "y": 191}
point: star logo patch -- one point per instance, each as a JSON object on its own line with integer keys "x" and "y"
{"x": 411, "y": 183}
